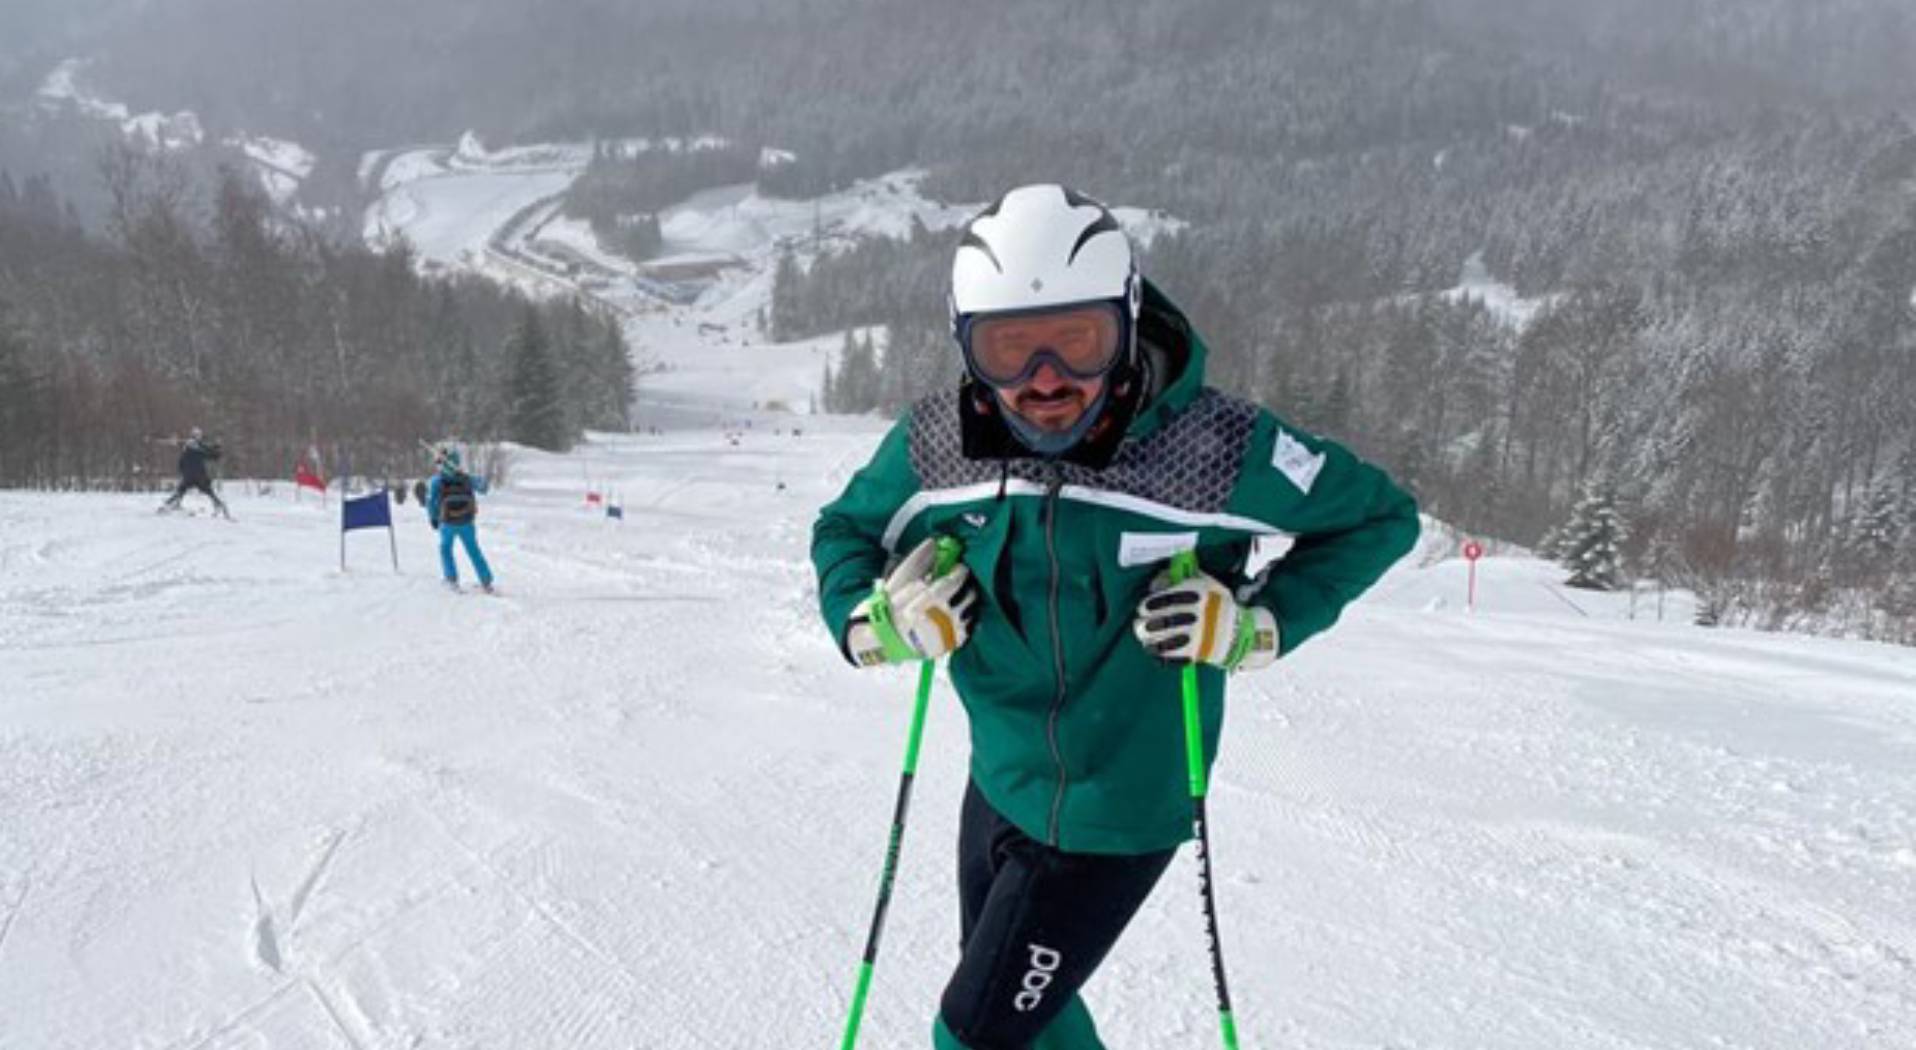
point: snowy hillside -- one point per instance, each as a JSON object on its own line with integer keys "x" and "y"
{"x": 280, "y": 166}
{"x": 640, "y": 801}
{"x": 694, "y": 313}
{"x": 63, "y": 87}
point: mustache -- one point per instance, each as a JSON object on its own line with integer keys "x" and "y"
{"x": 1054, "y": 397}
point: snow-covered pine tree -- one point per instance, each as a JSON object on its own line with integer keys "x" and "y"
{"x": 1591, "y": 546}
{"x": 611, "y": 370}
{"x": 535, "y": 415}
{"x": 1906, "y": 510}
{"x": 19, "y": 401}
{"x": 1551, "y": 545}
{"x": 1875, "y": 535}
{"x": 1897, "y": 603}
{"x": 855, "y": 384}
{"x": 787, "y": 305}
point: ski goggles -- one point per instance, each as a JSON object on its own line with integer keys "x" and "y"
{"x": 1082, "y": 342}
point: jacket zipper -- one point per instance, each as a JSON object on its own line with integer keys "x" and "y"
{"x": 1057, "y": 648}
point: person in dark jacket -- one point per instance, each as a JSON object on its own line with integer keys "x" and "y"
{"x": 1081, "y": 453}
{"x": 452, "y": 506}
{"x": 195, "y": 454}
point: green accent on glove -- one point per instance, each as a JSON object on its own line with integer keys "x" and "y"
{"x": 1245, "y": 639}
{"x": 1184, "y": 565}
{"x": 897, "y": 650}
{"x": 950, "y": 552}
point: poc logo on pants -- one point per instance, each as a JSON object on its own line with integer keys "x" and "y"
{"x": 1044, "y": 964}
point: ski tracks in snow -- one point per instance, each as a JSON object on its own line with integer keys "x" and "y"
{"x": 1591, "y": 851}
{"x": 639, "y": 801}
{"x": 14, "y": 909}
{"x": 268, "y": 933}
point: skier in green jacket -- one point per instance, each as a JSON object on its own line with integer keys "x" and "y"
{"x": 1079, "y": 454}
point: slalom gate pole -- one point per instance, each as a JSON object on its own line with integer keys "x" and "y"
{"x": 1183, "y": 567}
{"x": 948, "y": 554}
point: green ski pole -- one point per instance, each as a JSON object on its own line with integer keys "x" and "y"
{"x": 1183, "y": 566}
{"x": 949, "y": 551}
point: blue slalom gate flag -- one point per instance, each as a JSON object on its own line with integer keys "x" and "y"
{"x": 366, "y": 512}
{"x": 372, "y": 511}
{"x": 614, "y": 511}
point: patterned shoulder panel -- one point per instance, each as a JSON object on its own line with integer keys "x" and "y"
{"x": 936, "y": 441}
{"x": 1192, "y": 462}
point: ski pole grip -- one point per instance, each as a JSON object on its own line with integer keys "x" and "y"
{"x": 950, "y": 552}
{"x": 1184, "y": 565}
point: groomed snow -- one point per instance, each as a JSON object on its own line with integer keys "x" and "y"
{"x": 450, "y": 217}
{"x": 640, "y": 800}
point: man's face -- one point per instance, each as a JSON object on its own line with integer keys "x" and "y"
{"x": 1072, "y": 349}
{"x": 1050, "y": 400}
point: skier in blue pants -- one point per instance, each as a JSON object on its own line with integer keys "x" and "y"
{"x": 452, "y": 505}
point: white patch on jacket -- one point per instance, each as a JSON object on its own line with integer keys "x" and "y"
{"x": 1296, "y": 462}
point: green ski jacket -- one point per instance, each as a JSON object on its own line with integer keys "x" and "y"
{"x": 1076, "y": 732}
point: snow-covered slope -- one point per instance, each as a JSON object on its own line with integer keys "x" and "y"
{"x": 694, "y": 314}
{"x": 640, "y": 800}
{"x": 63, "y": 88}
{"x": 249, "y": 800}
{"x": 280, "y": 166}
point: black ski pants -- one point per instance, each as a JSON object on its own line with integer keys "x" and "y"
{"x": 187, "y": 485}
{"x": 1034, "y": 924}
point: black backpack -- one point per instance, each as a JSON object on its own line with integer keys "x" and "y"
{"x": 456, "y": 503}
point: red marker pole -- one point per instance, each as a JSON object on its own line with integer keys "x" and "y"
{"x": 1472, "y": 551}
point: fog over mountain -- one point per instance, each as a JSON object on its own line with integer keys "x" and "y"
{"x": 512, "y": 67}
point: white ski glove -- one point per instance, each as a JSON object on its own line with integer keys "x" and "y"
{"x": 912, "y": 614}
{"x": 1200, "y": 621}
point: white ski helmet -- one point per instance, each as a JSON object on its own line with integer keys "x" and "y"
{"x": 1040, "y": 246}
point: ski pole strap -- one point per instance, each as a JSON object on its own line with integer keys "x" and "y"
{"x": 949, "y": 551}
{"x": 897, "y": 648}
{"x": 885, "y": 628}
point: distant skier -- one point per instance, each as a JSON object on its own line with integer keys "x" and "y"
{"x": 452, "y": 506}
{"x": 1082, "y": 452}
{"x": 195, "y": 453}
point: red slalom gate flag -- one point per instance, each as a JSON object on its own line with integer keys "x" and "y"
{"x": 305, "y": 478}
{"x": 593, "y": 499}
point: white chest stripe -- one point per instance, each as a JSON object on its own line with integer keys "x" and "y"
{"x": 927, "y": 499}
